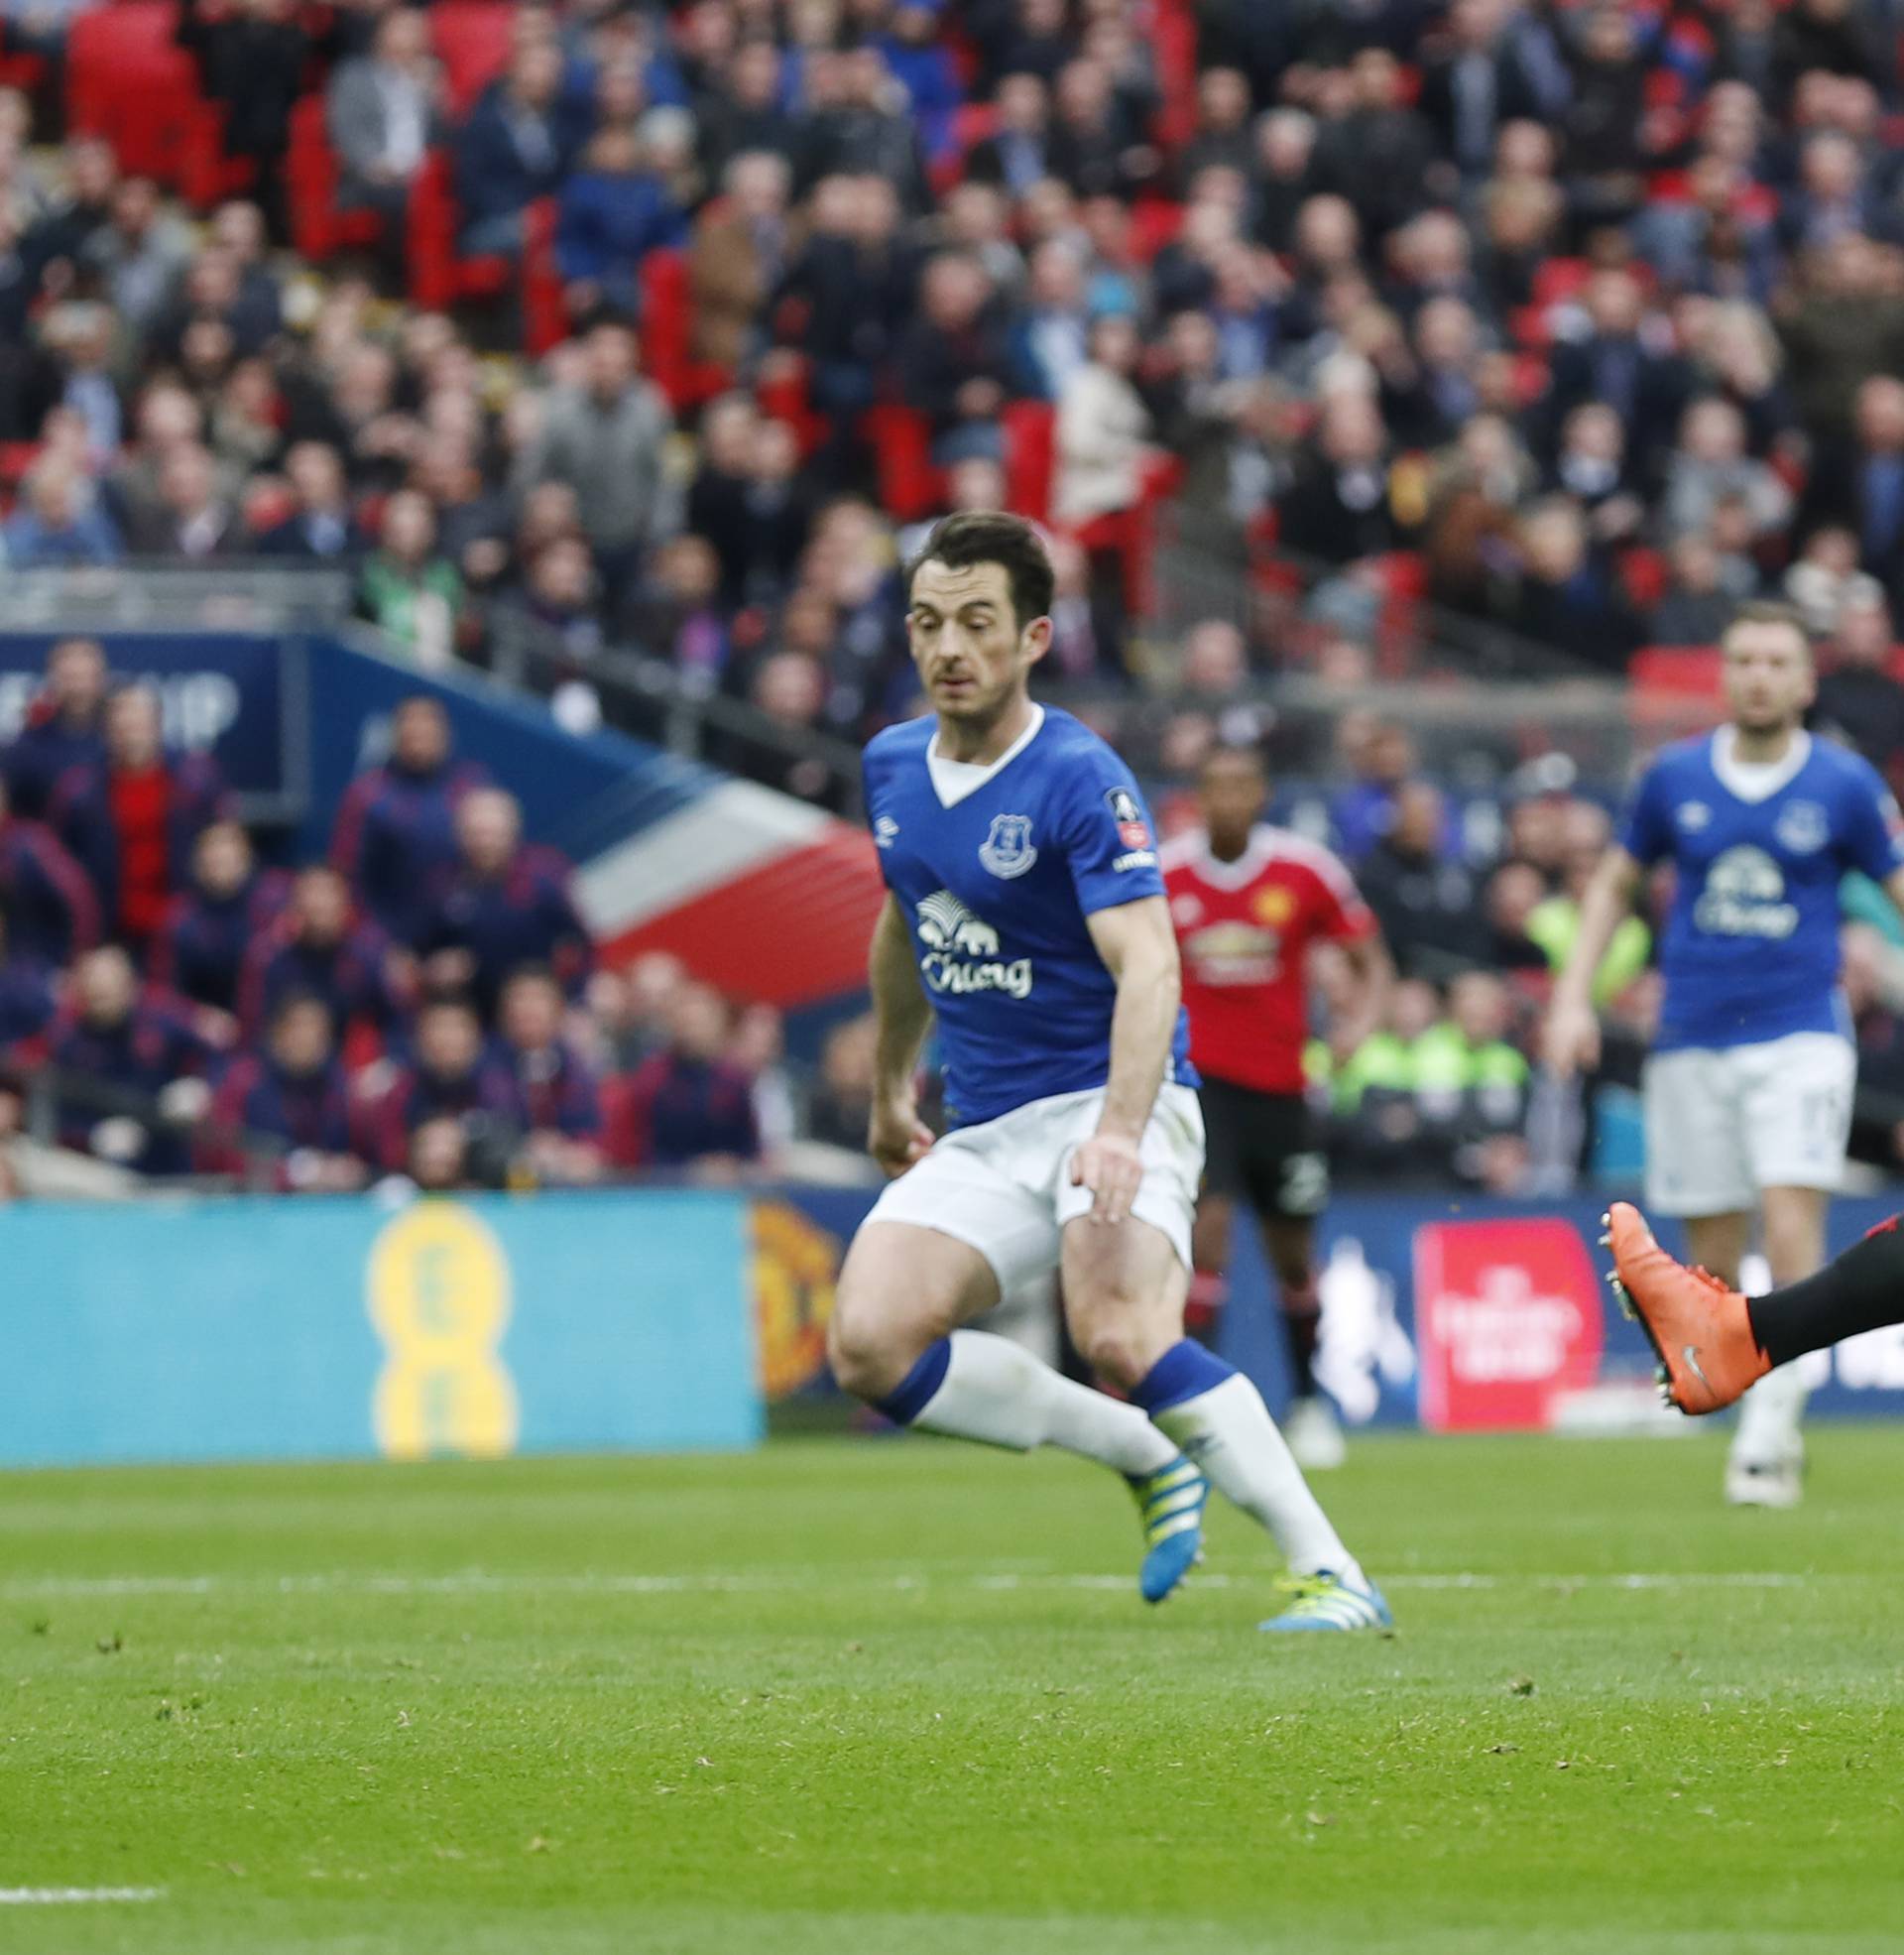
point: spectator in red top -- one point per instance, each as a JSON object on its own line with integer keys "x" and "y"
{"x": 64, "y": 727}
{"x": 200, "y": 952}
{"x": 133, "y": 819}
{"x": 49, "y": 906}
{"x": 294, "y": 1092}
{"x": 689, "y": 1107}
{"x": 320, "y": 948}
{"x": 395, "y": 832}
{"x": 502, "y": 907}
{"x": 560, "y": 1094}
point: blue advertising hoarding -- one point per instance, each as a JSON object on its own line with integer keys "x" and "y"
{"x": 237, "y": 695}
{"x": 248, "y": 1328}
{"x": 1455, "y": 1314}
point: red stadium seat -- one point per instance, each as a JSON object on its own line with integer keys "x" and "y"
{"x": 1642, "y": 576}
{"x": 545, "y": 314}
{"x": 1155, "y": 223}
{"x": 1029, "y": 429}
{"x": 437, "y": 276}
{"x": 317, "y": 228}
{"x": 128, "y": 78}
{"x": 1673, "y": 688}
{"x": 472, "y": 40}
{"x": 667, "y": 333}
{"x": 1173, "y": 41}
{"x": 900, "y": 439}
{"x": 782, "y": 391}
{"x": 1691, "y": 672}
{"x": 1559, "y": 280}
{"x": 972, "y": 123}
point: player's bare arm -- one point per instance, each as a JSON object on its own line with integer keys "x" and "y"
{"x": 1373, "y": 972}
{"x": 897, "y": 1137}
{"x": 1139, "y": 950}
{"x": 1569, "y": 1040}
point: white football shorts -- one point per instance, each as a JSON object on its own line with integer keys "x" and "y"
{"x": 1005, "y": 1186}
{"x": 1724, "y": 1124}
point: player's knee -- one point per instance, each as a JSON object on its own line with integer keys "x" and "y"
{"x": 1116, "y": 1353}
{"x": 865, "y": 1354}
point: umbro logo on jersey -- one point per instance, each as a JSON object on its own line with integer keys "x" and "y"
{"x": 1693, "y": 817}
{"x": 1007, "y": 851}
{"x": 886, "y": 831}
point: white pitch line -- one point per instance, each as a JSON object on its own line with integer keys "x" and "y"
{"x": 476, "y": 1582}
{"x": 74, "y": 1896}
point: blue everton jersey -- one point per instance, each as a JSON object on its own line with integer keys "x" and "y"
{"x": 1750, "y": 948}
{"x": 995, "y": 871}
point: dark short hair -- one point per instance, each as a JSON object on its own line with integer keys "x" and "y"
{"x": 1769, "y": 611}
{"x": 987, "y": 536}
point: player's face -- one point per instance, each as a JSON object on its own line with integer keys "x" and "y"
{"x": 1231, "y": 792}
{"x": 1769, "y": 680}
{"x": 974, "y": 659}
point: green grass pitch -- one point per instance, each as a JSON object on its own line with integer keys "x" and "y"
{"x": 844, "y": 1696}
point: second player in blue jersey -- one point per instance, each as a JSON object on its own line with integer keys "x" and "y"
{"x": 1749, "y": 1091}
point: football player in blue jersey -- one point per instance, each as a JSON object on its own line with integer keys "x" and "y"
{"x": 1025, "y": 913}
{"x": 1748, "y": 1089}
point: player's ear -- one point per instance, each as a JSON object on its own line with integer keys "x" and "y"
{"x": 1035, "y": 640}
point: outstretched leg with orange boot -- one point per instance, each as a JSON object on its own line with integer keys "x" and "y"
{"x": 1713, "y": 1344}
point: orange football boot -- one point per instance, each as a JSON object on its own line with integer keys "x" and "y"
{"x": 1698, "y": 1329}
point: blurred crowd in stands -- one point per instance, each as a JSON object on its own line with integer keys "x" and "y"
{"x": 423, "y": 1002}
{"x": 1582, "y": 321}
{"x": 1577, "y": 323}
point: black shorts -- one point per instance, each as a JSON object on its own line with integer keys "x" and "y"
{"x": 1262, "y": 1148}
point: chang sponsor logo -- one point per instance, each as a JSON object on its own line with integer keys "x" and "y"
{"x": 1744, "y": 895}
{"x": 962, "y": 951}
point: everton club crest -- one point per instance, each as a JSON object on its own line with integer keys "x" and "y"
{"x": 1007, "y": 851}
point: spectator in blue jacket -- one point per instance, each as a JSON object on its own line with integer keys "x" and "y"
{"x": 49, "y": 906}
{"x": 320, "y": 948}
{"x": 503, "y": 906}
{"x": 396, "y": 831}
{"x": 916, "y": 56}
{"x": 65, "y": 726}
{"x": 612, "y": 214}
{"x": 560, "y": 1093}
{"x": 517, "y": 146}
{"x": 132, "y": 820}
{"x": 294, "y": 1092}
{"x": 132, "y": 1068}
{"x": 200, "y": 951}
{"x": 61, "y": 522}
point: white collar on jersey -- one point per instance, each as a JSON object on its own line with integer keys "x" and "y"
{"x": 1757, "y": 781}
{"x": 1239, "y": 873}
{"x": 953, "y": 780}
